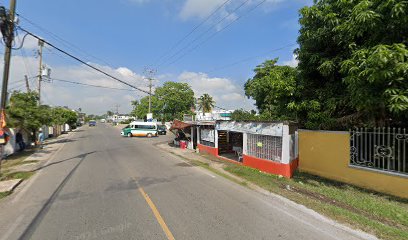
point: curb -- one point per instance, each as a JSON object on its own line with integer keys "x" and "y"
{"x": 287, "y": 202}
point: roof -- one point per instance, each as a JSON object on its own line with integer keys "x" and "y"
{"x": 177, "y": 124}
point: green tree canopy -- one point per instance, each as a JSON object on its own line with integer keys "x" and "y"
{"x": 273, "y": 88}
{"x": 24, "y": 112}
{"x": 244, "y": 115}
{"x": 353, "y": 63}
{"x": 62, "y": 115}
{"x": 205, "y": 103}
{"x": 170, "y": 101}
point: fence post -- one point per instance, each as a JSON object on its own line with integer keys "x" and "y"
{"x": 285, "y": 145}
{"x": 244, "y": 143}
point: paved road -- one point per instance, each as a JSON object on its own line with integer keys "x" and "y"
{"x": 103, "y": 186}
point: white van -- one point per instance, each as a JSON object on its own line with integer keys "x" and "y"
{"x": 140, "y": 129}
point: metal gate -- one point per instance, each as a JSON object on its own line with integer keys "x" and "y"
{"x": 383, "y": 149}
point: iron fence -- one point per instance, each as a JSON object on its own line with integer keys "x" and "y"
{"x": 265, "y": 147}
{"x": 382, "y": 149}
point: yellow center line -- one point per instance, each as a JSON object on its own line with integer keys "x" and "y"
{"x": 157, "y": 214}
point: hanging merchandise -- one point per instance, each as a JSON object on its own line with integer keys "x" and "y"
{"x": 4, "y": 137}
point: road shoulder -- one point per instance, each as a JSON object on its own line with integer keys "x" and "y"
{"x": 217, "y": 166}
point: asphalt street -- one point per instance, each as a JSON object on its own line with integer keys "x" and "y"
{"x": 100, "y": 185}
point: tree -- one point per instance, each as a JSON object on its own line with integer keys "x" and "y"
{"x": 170, "y": 101}
{"x": 142, "y": 108}
{"x": 135, "y": 105}
{"x": 62, "y": 115}
{"x": 352, "y": 63}
{"x": 174, "y": 100}
{"x": 24, "y": 112}
{"x": 273, "y": 88}
{"x": 243, "y": 115}
{"x": 109, "y": 113}
{"x": 205, "y": 103}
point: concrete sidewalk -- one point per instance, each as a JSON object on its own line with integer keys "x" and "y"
{"x": 41, "y": 156}
{"x": 219, "y": 164}
{"x": 213, "y": 162}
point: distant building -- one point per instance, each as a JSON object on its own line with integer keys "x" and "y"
{"x": 214, "y": 115}
{"x": 117, "y": 118}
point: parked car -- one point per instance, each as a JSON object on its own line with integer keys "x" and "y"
{"x": 161, "y": 130}
{"x": 92, "y": 123}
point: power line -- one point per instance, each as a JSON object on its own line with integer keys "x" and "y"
{"x": 91, "y": 85}
{"x": 62, "y": 41}
{"x": 249, "y": 58}
{"x": 70, "y": 45}
{"x": 204, "y": 33}
{"x": 215, "y": 33}
{"x": 192, "y": 31}
{"x": 83, "y": 62}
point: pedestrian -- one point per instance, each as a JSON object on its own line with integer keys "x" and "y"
{"x": 20, "y": 141}
{"x": 41, "y": 138}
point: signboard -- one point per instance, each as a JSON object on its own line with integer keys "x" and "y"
{"x": 149, "y": 117}
{"x": 187, "y": 118}
{"x": 207, "y": 135}
{"x": 271, "y": 129}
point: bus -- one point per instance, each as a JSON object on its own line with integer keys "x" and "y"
{"x": 140, "y": 129}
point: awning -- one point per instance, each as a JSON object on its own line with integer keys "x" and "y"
{"x": 177, "y": 124}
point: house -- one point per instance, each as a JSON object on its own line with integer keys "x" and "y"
{"x": 117, "y": 118}
{"x": 268, "y": 146}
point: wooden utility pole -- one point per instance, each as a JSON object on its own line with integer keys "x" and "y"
{"x": 40, "y": 51}
{"x": 27, "y": 84}
{"x": 150, "y": 95}
{"x": 8, "y": 36}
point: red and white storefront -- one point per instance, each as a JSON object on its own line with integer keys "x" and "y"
{"x": 268, "y": 146}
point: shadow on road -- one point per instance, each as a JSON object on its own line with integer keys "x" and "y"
{"x": 60, "y": 141}
{"x": 81, "y": 156}
{"x": 29, "y": 231}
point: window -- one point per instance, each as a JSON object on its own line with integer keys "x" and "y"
{"x": 265, "y": 147}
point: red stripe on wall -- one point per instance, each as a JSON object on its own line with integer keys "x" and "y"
{"x": 285, "y": 170}
{"x": 210, "y": 150}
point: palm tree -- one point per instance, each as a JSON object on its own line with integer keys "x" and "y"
{"x": 205, "y": 103}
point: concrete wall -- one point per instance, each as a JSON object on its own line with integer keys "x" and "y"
{"x": 327, "y": 154}
{"x": 210, "y": 150}
{"x": 268, "y": 166}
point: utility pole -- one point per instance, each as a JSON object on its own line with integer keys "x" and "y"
{"x": 40, "y": 51}
{"x": 117, "y": 109}
{"x": 150, "y": 95}
{"x": 26, "y": 82}
{"x": 7, "y": 30}
{"x": 150, "y": 73}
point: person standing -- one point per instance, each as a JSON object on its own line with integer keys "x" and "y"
{"x": 20, "y": 141}
{"x": 41, "y": 138}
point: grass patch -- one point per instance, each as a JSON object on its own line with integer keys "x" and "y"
{"x": 4, "y": 194}
{"x": 17, "y": 159}
{"x": 15, "y": 175}
{"x": 380, "y": 214}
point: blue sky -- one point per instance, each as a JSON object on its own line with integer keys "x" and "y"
{"x": 125, "y": 36}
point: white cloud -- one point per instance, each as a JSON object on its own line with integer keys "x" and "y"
{"x": 293, "y": 62}
{"x": 30, "y": 43}
{"x": 203, "y": 8}
{"x": 225, "y": 92}
{"x": 199, "y": 8}
{"x": 90, "y": 99}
